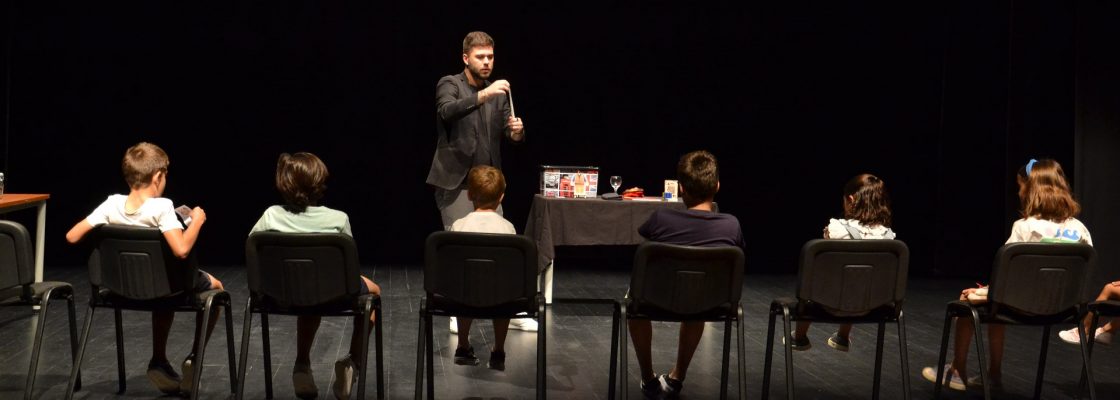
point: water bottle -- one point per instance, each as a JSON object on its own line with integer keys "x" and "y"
{"x": 1, "y": 183}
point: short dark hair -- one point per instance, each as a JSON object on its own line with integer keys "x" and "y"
{"x": 866, "y": 201}
{"x": 476, "y": 39}
{"x": 141, "y": 162}
{"x": 698, "y": 175}
{"x": 485, "y": 186}
{"x": 301, "y": 179}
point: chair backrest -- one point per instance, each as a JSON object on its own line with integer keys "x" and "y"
{"x": 136, "y": 263}
{"x": 15, "y": 256}
{"x": 1042, "y": 278}
{"x": 684, "y": 281}
{"x": 479, "y": 270}
{"x": 852, "y": 277}
{"x": 302, "y": 269}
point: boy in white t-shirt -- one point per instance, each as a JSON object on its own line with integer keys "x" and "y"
{"x": 486, "y": 188}
{"x": 145, "y": 171}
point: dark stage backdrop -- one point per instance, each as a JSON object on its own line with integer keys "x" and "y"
{"x": 943, "y": 100}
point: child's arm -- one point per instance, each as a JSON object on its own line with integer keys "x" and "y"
{"x": 182, "y": 241}
{"x": 78, "y": 231}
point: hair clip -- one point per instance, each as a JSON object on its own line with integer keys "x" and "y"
{"x": 1030, "y": 164}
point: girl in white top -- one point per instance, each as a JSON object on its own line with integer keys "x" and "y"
{"x": 1049, "y": 212}
{"x": 301, "y": 179}
{"x": 867, "y": 215}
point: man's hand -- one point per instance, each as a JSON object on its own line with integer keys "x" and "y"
{"x": 499, "y": 87}
{"x": 516, "y": 128}
{"x": 198, "y": 216}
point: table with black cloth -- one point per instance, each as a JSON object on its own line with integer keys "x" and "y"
{"x": 585, "y": 222}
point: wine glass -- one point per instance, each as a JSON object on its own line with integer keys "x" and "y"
{"x": 616, "y": 182}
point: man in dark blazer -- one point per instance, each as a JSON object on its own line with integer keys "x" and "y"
{"x": 472, "y": 117}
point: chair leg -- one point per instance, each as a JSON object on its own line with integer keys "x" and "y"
{"x": 1042, "y": 361}
{"x": 726, "y": 359}
{"x": 789, "y": 353}
{"x": 612, "y": 379}
{"x": 72, "y": 314}
{"x": 623, "y": 358}
{"x": 380, "y": 357}
{"x": 420, "y": 348}
{"x": 77, "y": 367}
{"x": 243, "y": 366}
{"x": 1092, "y": 328}
{"x": 768, "y": 355}
{"x": 200, "y": 348}
{"x": 741, "y": 333}
{"x": 904, "y": 359}
{"x": 980, "y": 353}
{"x": 367, "y": 310}
{"x": 231, "y": 347}
{"x": 40, "y": 324}
{"x": 121, "y": 381}
{"x": 946, "y": 326}
{"x": 1086, "y": 348}
{"x": 542, "y": 348}
{"x": 428, "y": 330}
{"x": 878, "y": 361}
{"x": 266, "y": 351}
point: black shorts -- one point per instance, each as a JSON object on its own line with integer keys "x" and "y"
{"x": 202, "y": 281}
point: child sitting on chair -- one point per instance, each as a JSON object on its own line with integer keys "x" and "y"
{"x": 867, "y": 215}
{"x": 301, "y": 179}
{"x": 145, "y": 170}
{"x": 486, "y": 188}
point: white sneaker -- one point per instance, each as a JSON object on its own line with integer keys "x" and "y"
{"x": 523, "y": 324}
{"x": 454, "y": 325}
{"x": 1072, "y": 337}
{"x": 952, "y": 380}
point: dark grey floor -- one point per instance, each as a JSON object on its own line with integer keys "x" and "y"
{"x": 578, "y": 348}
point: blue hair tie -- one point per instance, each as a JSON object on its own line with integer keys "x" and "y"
{"x": 1029, "y": 165}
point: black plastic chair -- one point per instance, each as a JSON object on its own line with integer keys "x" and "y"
{"x": 307, "y": 274}
{"x": 18, "y": 288}
{"x": 1039, "y": 284}
{"x": 685, "y": 283}
{"x": 846, "y": 281}
{"x": 132, "y": 268}
{"x": 1098, "y": 309}
{"x": 478, "y": 275}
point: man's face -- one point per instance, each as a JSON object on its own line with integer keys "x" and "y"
{"x": 480, "y": 61}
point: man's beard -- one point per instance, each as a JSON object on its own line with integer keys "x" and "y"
{"x": 477, "y": 74}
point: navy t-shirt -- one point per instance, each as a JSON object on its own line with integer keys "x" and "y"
{"x": 692, "y": 228}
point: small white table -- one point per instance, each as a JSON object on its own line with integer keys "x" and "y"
{"x": 16, "y": 201}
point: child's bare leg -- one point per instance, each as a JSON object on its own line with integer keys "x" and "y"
{"x": 161, "y": 330}
{"x": 501, "y": 327}
{"x": 802, "y": 329}
{"x": 641, "y": 333}
{"x": 306, "y": 327}
{"x": 844, "y": 331}
{"x": 961, "y": 342}
{"x": 356, "y": 337}
{"x": 995, "y": 349}
{"x": 689, "y": 339}
{"x": 215, "y": 312}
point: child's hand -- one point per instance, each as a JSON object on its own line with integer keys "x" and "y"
{"x": 198, "y": 216}
{"x": 966, "y": 292}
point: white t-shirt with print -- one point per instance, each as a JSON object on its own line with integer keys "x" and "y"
{"x": 836, "y": 230}
{"x": 483, "y": 222}
{"x": 1040, "y": 230}
{"x": 156, "y": 212}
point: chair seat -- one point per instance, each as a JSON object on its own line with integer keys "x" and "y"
{"x": 341, "y": 307}
{"x": 1008, "y": 315}
{"x": 12, "y": 295}
{"x": 183, "y": 301}
{"x": 1106, "y": 307}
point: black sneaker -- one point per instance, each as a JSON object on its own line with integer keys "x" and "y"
{"x": 800, "y": 344}
{"x": 164, "y": 377}
{"x": 465, "y": 356}
{"x": 651, "y": 389}
{"x": 498, "y": 360}
{"x": 839, "y": 343}
{"x": 671, "y": 387}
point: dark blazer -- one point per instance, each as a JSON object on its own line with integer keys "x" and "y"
{"x": 458, "y": 117}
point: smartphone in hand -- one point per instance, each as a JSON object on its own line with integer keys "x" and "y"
{"x": 184, "y": 214}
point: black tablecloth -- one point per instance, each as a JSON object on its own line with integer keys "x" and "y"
{"x": 580, "y": 222}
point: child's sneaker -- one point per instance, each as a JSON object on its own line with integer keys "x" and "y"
{"x": 994, "y": 382}
{"x": 454, "y": 328}
{"x": 344, "y": 375}
{"x": 651, "y": 389}
{"x": 303, "y": 381}
{"x": 670, "y": 387}
{"x": 164, "y": 377}
{"x": 839, "y": 343}
{"x": 465, "y": 356}
{"x": 952, "y": 379}
{"x": 497, "y": 360}
{"x": 188, "y": 376}
{"x": 523, "y": 324}
{"x": 1072, "y": 337}
{"x": 800, "y": 344}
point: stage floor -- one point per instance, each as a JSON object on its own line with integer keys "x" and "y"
{"x": 578, "y": 348}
